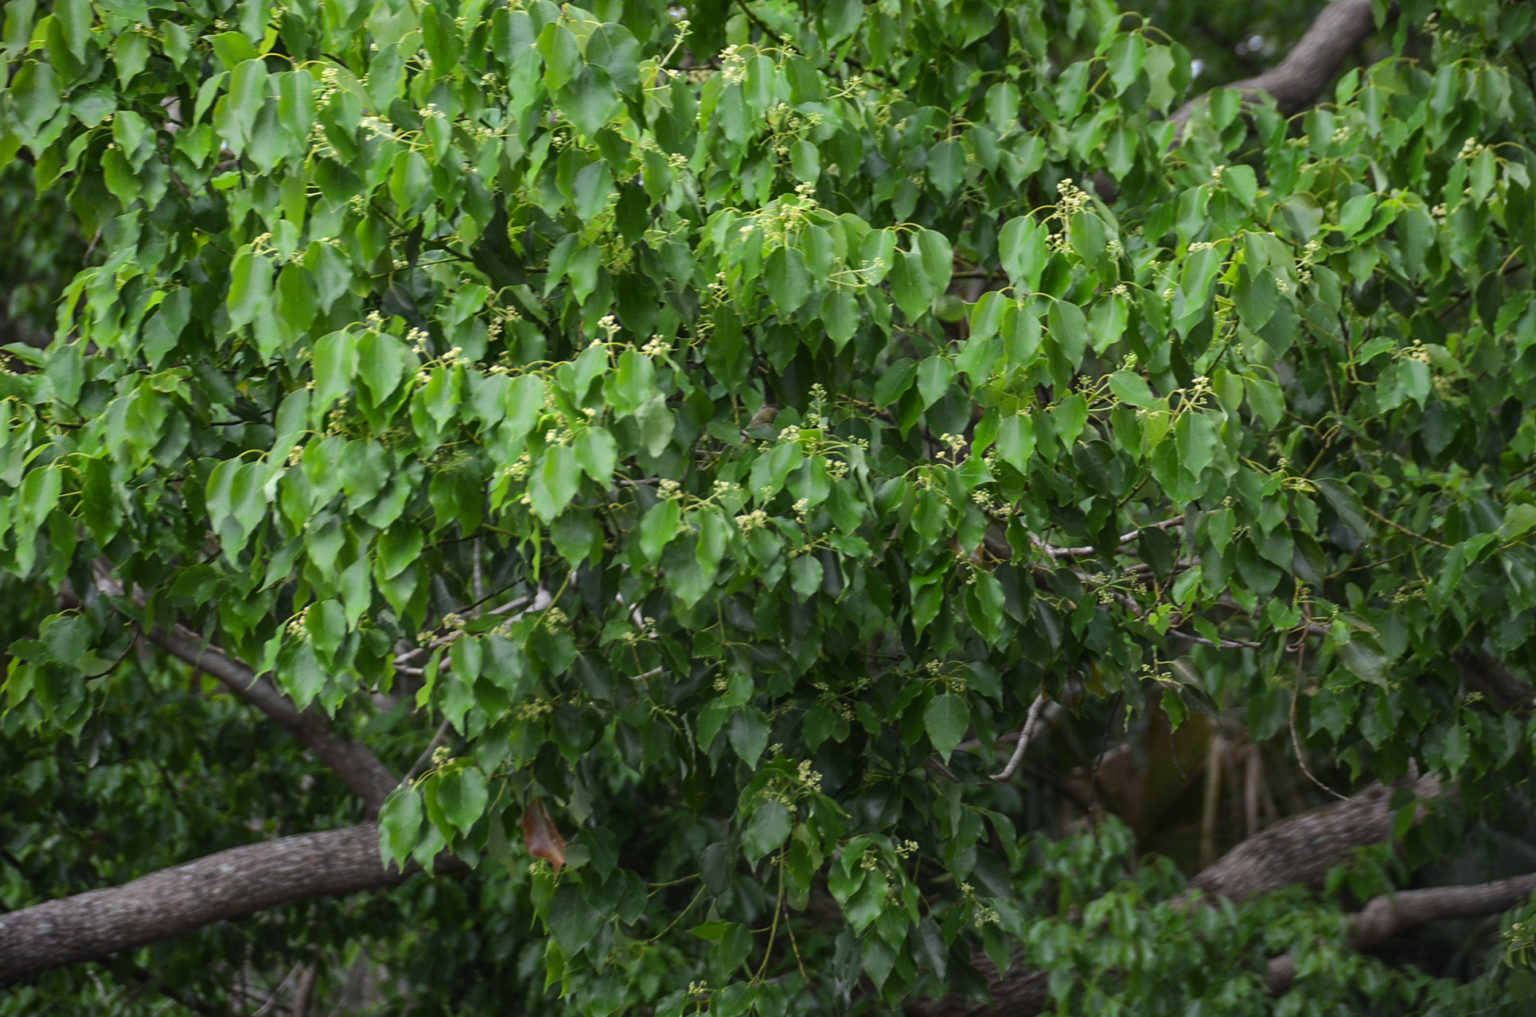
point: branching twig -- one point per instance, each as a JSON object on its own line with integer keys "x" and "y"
{"x": 1026, "y": 733}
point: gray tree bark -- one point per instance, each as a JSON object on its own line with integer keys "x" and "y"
{"x": 219, "y": 887}
{"x": 1296, "y": 82}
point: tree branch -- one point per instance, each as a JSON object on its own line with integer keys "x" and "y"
{"x": 222, "y": 886}
{"x": 1302, "y": 849}
{"x": 1394, "y": 913}
{"x": 1300, "y": 78}
{"x": 1299, "y": 850}
{"x": 354, "y": 763}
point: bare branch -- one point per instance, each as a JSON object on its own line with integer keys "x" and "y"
{"x": 1300, "y": 78}
{"x": 1086, "y": 551}
{"x": 1025, "y": 734}
{"x": 1394, "y": 913}
{"x": 1302, "y": 849}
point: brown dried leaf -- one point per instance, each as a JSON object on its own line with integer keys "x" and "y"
{"x": 539, "y": 833}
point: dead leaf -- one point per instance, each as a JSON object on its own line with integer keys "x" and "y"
{"x": 543, "y": 840}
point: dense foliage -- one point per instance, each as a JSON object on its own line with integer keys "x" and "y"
{"x": 723, "y": 424}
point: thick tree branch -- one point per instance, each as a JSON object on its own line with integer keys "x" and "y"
{"x": 1297, "y": 81}
{"x": 1394, "y": 913}
{"x": 354, "y": 763}
{"x": 1302, "y": 849}
{"x": 1299, "y": 850}
{"x": 226, "y": 885}
{"x": 1483, "y": 673}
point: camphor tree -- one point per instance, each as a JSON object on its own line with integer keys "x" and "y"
{"x": 767, "y": 507}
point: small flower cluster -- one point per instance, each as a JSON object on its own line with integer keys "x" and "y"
{"x": 1415, "y": 350}
{"x": 295, "y": 626}
{"x": 647, "y": 631}
{"x": 981, "y": 913}
{"x": 1470, "y": 149}
{"x": 519, "y": 467}
{"x": 747, "y": 522}
{"x": 809, "y": 778}
{"x": 733, "y": 65}
{"x": 1073, "y": 198}
{"x": 1308, "y": 258}
{"x": 378, "y": 127}
{"x": 535, "y": 709}
{"x": 1198, "y": 389}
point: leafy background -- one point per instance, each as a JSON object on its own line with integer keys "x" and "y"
{"x": 728, "y": 420}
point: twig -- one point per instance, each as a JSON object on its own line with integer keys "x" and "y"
{"x": 1085, "y": 551}
{"x": 426, "y": 754}
{"x": 1026, "y": 733}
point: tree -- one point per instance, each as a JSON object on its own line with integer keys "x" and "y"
{"x": 754, "y": 508}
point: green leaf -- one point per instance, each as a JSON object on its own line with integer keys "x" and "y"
{"x": 1356, "y": 213}
{"x": 247, "y": 94}
{"x": 748, "y": 733}
{"x": 461, "y": 792}
{"x": 1131, "y": 388}
{"x": 1365, "y": 660}
{"x": 805, "y": 575}
{"x": 589, "y": 100}
{"x": 946, "y": 166}
{"x": 1069, "y": 330}
{"x": 554, "y": 482}
{"x": 1197, "y": 438}
{"x": 597, "y": 453}
{"x": 768, "y": 829}
{"x": 75, "y": 22}
{"x": 633, "y": 382}
{"x": 1345, "y": 502}
{"x": 382, "y": 363}
{"x": 250, "y": 287}
{"x": 1125, "y": 58}
{"x": 1016, "y": 440}
{"x": 934, "y": 377}
{"x": 1519, "y": 519}
{"x": 35, "y": 92}
{"x": 946, "y": 719}
{"x": 398, "y": 547}
{"x": 572, "y": 921}
{"x": 658, "y": 526}
{"x": 840, "y": 313}
{"x": 656, "y": 424}
{"x": 789, "y": 284}
{"x": 1021, "y": 244}
{"x": 894, "y": 381}
{"x": 399, "y": 824}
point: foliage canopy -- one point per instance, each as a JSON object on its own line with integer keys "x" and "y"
{"x": 723, "y": 425}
